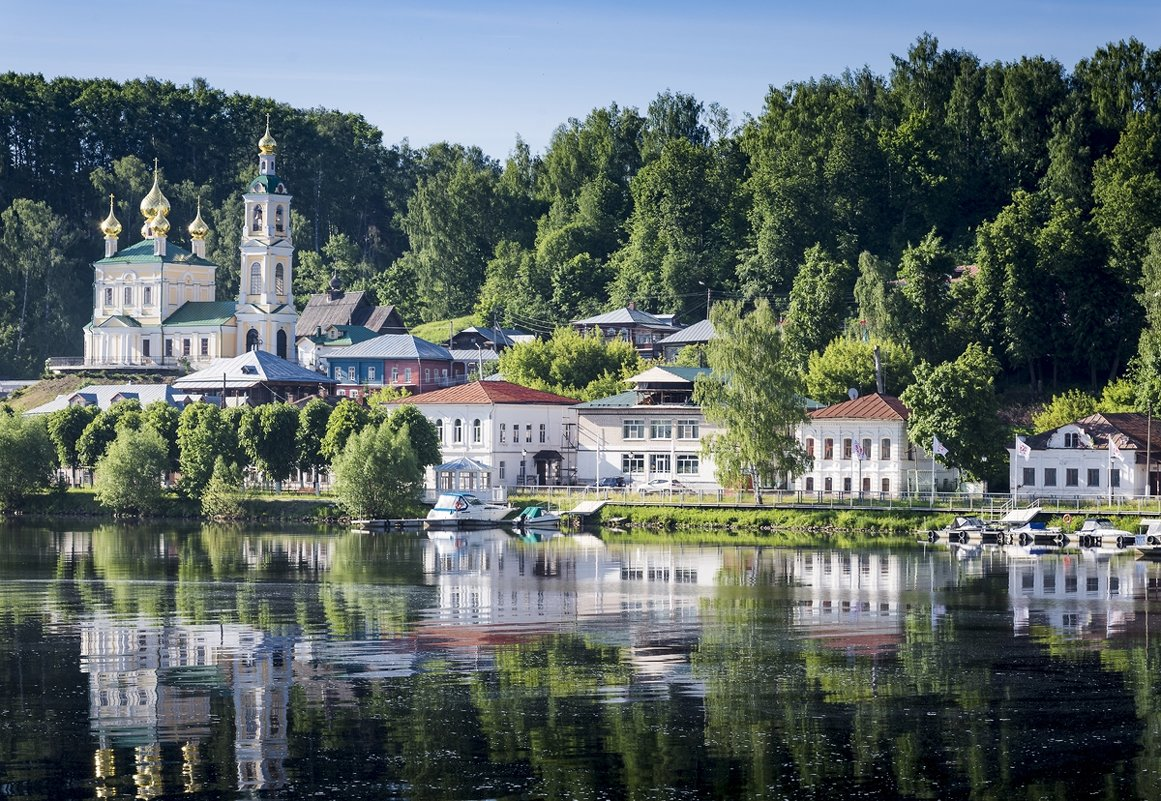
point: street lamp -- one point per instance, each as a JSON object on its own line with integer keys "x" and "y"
{"x": 708, "y": 297}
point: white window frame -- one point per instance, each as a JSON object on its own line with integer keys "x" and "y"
{"x": 632, "y": 428}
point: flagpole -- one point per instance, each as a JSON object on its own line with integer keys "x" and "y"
{"x": 933, "y": 474}
{"x": 1015, "y": 488}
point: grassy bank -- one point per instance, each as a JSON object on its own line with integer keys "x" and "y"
{"x": 82, "y": 502}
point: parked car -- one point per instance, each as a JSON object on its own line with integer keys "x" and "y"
{"x": 608, "y": 482}
{"x": 661, "y": 485}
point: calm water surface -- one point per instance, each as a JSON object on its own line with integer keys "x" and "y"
{"x": 228, "y": 663}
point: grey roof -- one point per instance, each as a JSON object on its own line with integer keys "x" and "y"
{"x": 667, "y": 374}
{"x": 385, "y": 320}
{"x": 347, "y": 308}
{"x": 103, "y": 395}
{"x": 626, "y": 316}
{"x": 474, "y": 354}
{"x": 394, "y": 346}
{"x": 618, "y": 401}
{"x": 464, "y": 464}
{"x": 505, "y": 337}
{"x": 699, "y": 332}
{"x": 250, "y": 369}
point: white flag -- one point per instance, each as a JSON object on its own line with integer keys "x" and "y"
{"x": 937, "y": 447}
{"x": 1023, "y": 449}
{"x": 860, "y": 454}
{"x": 1114, "y": 451}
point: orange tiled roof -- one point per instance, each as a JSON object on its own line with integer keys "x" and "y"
{"x": 490, "y": 392}
{"x": 868, "y": 407}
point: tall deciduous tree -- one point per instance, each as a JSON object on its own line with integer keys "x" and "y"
{"x": 268, "y": 434}
{"x": 754, "y": 394}
{"x": 849, "y": 362}
{"x": 420, "y": 433}
{"x": 378, "y": 474}
{"x": 128, "y": 476}
{"x": 203, "y": 436}
{"x": 570, "y": 363}
{"x": 26, "y": 459}
{"x": 820, "y": 302}
{"x": 347, "y": 418}
{"x": 65, "y": 428}
{"x": 312, "y": 428}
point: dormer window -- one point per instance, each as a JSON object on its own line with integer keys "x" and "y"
{"x": 1071, "y": 439}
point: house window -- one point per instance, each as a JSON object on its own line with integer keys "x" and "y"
{"x": 810, "y": 447}
{"x": 633, "y": 429}
{"x": 885, "y": 449}
{"x": 371, "y": 374}
{"x": 338, "y": 374}
{"x": 255, "y": 278}
{"x": 204, "y": 346}
{"x": 394, "y": 375}
{"x": 659, "y": 463}
{"x": 866, "y": 448}
{"x": 1071, "y": 477}
{"x": 279, "y": 279}
{"x": 169, "y": 348}
{"x": 810, "y": 483}
{"x": 477, "y": 431}
{"x": 847, "y": 448}
{"x": 632, "y": 463}
{"x": 109, "y": 296}
{"x": 407, "y": 376}
{"x": 688, "y": 429}
{"x": 1050, "y": 476}
{"x": 886, "y": 485}
{"x": 1114, "y": 478}
{"x": 427, "y": 375}
{"x": 458, "y": 431}
{"x": 147, "y": 296}
{"x": 846, "y": 483}
{"x": 502, "y": 471}
{"x": 145, "y": 348}
{"x": 185, "y": 347}
{"x": 1094, "y": 477}
{"x": 1029, "y": 476}
{"x": 351, "y": 374}
{"x": 528, "y": 433}
{"x": 1071, "y": 439}
{"x": 439, "y": 429}
{"x": 661, "y": 429}
{"x": 128, "y": 296}
{"x": 688, "y": 464}
{"x": 503, "y": 433}
{"x": 515, "y": 432}
{"x": 827, "y": 449}
{"x": 867, "y": 484}
{"x": 827, "y": 484}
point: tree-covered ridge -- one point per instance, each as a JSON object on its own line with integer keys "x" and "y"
{"x": 854, "y": 186}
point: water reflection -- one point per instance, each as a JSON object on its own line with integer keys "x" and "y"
{"x": 144, "y": 662}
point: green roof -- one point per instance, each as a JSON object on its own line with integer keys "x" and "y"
{"x": 349, "y": 335}
{"x": 271, "y": 183}
{"x": 142, "y": 253}
{"x": 212, "y": 312}
{"x": 618, "y": 401}
{"x": 118, "y": 320}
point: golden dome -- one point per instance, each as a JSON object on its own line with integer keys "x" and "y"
{"x": 160, "y": 224}
{"x": 111, "y": 226}
{"x": 266, "y": 145}
{"x": 154, "y": 203}
{"x": 198, "y": 228}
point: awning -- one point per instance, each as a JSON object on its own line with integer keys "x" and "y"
{"x": 548, "y": 456}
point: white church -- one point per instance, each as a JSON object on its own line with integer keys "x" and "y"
{"x": 154, "y": 303}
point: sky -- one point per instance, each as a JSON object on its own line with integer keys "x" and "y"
{"x": 482, "y": 73}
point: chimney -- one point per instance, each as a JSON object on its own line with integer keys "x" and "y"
{"x": 879, "y": 373}
{"x": 632, "y": 305}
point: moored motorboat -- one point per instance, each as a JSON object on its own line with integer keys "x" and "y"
{"x": 464, "y": 508}
{"x": 536, "y": 517}
{"x": 965, "y": 529}
{"x": 1098, "y": 532}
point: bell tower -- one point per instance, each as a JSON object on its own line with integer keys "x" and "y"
{"x": 266, "y": 314}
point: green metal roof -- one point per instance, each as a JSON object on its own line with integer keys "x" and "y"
{"x": 270, "y": 183}
{"x": 118, "y": 321}
{"x": 211, "y": 312}
{"x": 348, "y": 335}
{"x": 142, "y": 253}
{"x": 618, "y": 401}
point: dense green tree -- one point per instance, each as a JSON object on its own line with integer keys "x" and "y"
{"x": 26, "y": 460}
{"x": 754, "y": 394}
{"x": 1065, "y": 408}
{"x": 222, "y": 496}
{"x": 268, "y": 434}
{"x": 312, "y": 429}
{"x": 163, "y": 418}
{"x": 956, "y": 402}
{"x": 203, "y": 436}
{"x": 420, "y": 433}
{"x": 128, "y": 476}
{"x": 103, "y": 429}
{"x": 347, "y": 418}
{"x": 571, "y": 364}
{"x": 377, "y": 474}
{"x": 65, "y": 427}
{"x": 848, "y": 362}
{"x": 876, "y": 295}
{"x": 820, "y": 302}
{"x": 923, "y": 319}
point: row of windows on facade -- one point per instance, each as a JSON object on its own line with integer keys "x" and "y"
{"x": 127, "y": 296}
{"x": 186, "y": 347}
{"x": 1092, "y": 584}
{"x": 457, "y": 432}
{"x": 373, "y": 375}
{"x": 256, "y": 279}
{"x": 828, "y": 484}
{"x": 849, "y": 449}
{"x": 688, "y": 464}
{"x": 660, "y": 429}
{"x": 1048, "y": 477}
{"x": 641, "y": 337}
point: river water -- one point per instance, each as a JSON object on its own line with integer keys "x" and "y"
{"x": 217, "y": 662}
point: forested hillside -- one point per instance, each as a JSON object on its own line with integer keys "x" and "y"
{"x": 849, "y": 198}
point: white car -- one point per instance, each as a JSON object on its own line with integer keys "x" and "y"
{"x": 661, "y": 485}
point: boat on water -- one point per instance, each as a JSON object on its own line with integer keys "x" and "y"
{"x": 1096, "y": 532}
{"x": 965, "y": 529}
{"x": 1147, "y": 543}
{"x": 465, "y": 509}
{"x": 536, "y": 517}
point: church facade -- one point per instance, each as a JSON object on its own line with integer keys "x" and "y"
{"x": 155, "y": 304}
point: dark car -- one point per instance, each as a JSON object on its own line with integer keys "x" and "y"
{"x": 610, "y": 482}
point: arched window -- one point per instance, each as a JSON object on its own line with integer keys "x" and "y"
{"x": 280, "y": 344}
{"x": 439, "y": 430}
{"x": 279, "y": 280}
{"x": 279, "y": 226}
{"x": 255, "y": 278}
{"x": 252, "y": 339}
{"x": 477, "y": 431}
{"x": 458, "y": 431}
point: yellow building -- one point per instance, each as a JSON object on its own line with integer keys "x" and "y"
{"x": 154, "y": 303}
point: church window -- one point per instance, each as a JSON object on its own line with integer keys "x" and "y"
{"x": 252, "y": 339}
{"x": 204, "y": 346}
{"x": 109, "y": 296}
{"x": 280, "y": 344}
{"x": 128, "y": 296}
{"x": 255, "y": 278}
{"x": 185, "y": 347}
{"x": 279, "y": 226}
{"x": 280, "y": 280}
{"x": 169, "y": 348}
{"x": 145, "y": 348}
{"x": 147, "y": 296}
{"x": 257, "y": 225}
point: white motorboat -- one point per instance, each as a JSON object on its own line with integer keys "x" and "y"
{"x": 1097, "y": 532}
{"x": 536, "y": 517}
{"x": 464, "y": 508}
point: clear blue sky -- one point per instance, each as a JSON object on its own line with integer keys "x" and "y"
{"x": 481, "y": 72}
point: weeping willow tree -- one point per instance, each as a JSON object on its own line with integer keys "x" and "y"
{"x": 754, "y": 393}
